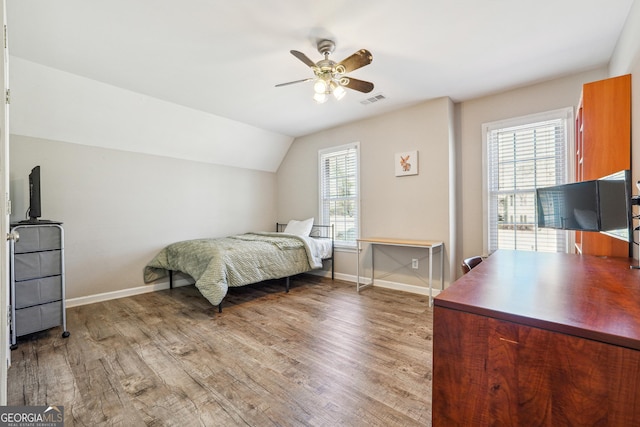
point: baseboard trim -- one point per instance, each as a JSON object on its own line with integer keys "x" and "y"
{"x": 106, "y": 296}
{"x": 178, "y": 282}
{"x": 421, "y": 290}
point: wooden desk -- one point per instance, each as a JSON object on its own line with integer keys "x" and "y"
{"x": 425, "y": 244}
{"x": 541, "y": 339}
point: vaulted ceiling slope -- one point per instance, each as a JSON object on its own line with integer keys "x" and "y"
{"x": 214, "y": 64}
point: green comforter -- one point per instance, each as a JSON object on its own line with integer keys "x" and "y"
{"x": 216, "y": 264}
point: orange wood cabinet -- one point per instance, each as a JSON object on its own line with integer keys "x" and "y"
{"x": 539, "y": 339}
{"x": 603, "y": 147}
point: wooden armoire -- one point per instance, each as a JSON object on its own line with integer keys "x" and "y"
{"x": 603, "y": 147}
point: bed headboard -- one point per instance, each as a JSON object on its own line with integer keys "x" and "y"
{"x": 318, "y": 231}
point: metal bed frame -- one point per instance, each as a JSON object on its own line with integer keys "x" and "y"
{"x": 318, "y": 231}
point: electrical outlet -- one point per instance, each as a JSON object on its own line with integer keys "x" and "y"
{"x": 414, "y": 263}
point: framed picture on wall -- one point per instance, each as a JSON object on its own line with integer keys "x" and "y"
{"x": 407, "y": 163}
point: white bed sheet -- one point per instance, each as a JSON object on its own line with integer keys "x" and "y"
{"x": 322, "y": 247}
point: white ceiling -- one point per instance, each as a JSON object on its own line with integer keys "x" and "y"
{"x": 225, "y": 57}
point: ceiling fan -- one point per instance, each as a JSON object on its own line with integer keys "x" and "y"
{"x": 330, "y": 77}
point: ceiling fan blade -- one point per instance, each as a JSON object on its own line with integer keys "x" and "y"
{"x": 295, "y": 81}
{"x": 304, "y": 58}
{"x": 359, "y": 59}
{"x": 355, "y": 84}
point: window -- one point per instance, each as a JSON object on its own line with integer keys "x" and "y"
{"x": 521, "y": 155}
{"x": 339, "y": 192}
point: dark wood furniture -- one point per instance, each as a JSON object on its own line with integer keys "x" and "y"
{"x": 540, "y": 339}
{"x": 603, "y": 147}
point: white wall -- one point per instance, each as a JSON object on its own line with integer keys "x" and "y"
{"x": 626, "y": 59}
{"x": 120, "y": 208}
{"x": 470, "y": 116}
{"x": 419, "y": 208}
{"x": 635, "y": 134}
{"x": 545, "y": 96}
{"x": 53, "y": 104}
{"x": 413, "y": 207}
{"x": 627, "y": 51}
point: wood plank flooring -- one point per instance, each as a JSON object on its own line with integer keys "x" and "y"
{"x": 321, "y": 355}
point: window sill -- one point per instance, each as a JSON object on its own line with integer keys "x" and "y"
{"x": 351, "y": 249}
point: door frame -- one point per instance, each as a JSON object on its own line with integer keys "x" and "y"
{"x": 5, "y": 208}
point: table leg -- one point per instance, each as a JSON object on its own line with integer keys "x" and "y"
{"x": 358, "y": 267}
{"x": 430, "y": 276}
{"x": 442, "y": 267}
{"x": 373, "y": 247}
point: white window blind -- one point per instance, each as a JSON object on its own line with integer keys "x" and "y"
{"x": 521, "y": 158}
{"x": 339, "y": 192}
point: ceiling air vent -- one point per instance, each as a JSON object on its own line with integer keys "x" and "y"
{"x": 374, "y": 98}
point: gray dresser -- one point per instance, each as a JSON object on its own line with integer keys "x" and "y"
{"x": 37, "y": 279}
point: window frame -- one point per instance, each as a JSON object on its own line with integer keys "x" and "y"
{"x": 340, "y": 244}
{"x": 567, "y": 114}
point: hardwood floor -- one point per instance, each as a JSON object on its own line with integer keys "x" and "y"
{"x": 321, "y": 355}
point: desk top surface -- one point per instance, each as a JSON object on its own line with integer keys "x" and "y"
{"x": 400, "y": 242}
{"x": 591, "y": 297}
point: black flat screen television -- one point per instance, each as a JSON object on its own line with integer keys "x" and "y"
{"x": 602, "y": 205}
{"x": 35, "y": 210}
{"x": 569, "y": 206}
{"x": 615, "y": 194}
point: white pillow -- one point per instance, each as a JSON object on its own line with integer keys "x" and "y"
{"x": 301, "y": 228}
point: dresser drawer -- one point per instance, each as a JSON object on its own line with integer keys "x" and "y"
{"x": 37, "y": 264}
{"x": 38, "y": 318}
{"x": 38, "y": 291}
{"x": 40, "y": 238}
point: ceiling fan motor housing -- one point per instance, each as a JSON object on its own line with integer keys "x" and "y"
{"x": 327, "y": 69}
{"x": 326, "y": 47}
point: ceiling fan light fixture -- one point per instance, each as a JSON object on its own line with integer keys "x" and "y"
{"x": 320, "y": 86}
{"x": 320, "y": 98}
{"x": 337, "y": 90}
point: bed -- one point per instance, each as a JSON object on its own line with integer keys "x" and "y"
{"x": 219, "y": 263}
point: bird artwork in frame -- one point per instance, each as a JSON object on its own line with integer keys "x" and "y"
{"x": 407, "y": 163}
